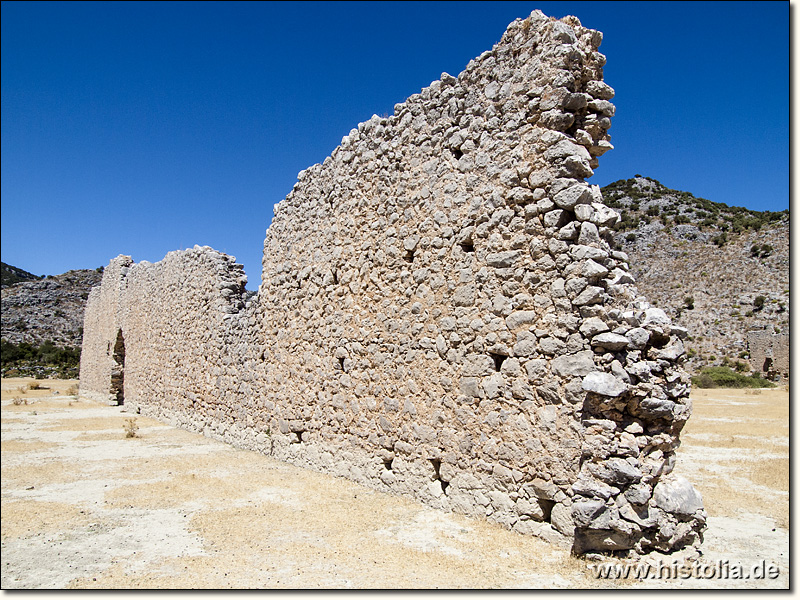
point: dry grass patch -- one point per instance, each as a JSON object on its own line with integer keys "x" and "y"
{"x": 259, "y": 513}
{"x": 176, "y": 437}
{"x": 131, "y": 428}
{"x": 736, "y": 452}
{"x": 772, "y": 473}
{"x": 23, "y": 518}
{"x": 220, "y": 461}
{"x": 26, "y": 446}
{"x": 179, "y": 489}
{"x": 369, "y": 537}
{"x": 724, "y": 437}
{"x": 101, "y": 436}
{"x": 11, "y": 387}
{"x": 100, "y": 424}
{"x": 336, "y": 546}
{"x": 28, "y": 406}
{"x": 117, "y": 577}
{"x": 53, "y": 404}
{"x": 724, "y": 496}
{"x": 27, "y": 475}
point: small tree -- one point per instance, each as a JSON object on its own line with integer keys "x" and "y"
{"x": 758, "y": 303}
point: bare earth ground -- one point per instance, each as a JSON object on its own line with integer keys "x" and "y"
{"x": 85, "y": 507}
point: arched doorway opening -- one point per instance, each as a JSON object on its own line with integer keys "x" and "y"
{"x": 118, "y": 370}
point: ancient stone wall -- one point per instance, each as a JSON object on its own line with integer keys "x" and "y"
{"x": 769, "y": 353}
{"x": 102, "y": 326}
{"x": 441, "y": 315}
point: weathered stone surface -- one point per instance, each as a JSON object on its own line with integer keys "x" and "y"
{"x": 655, "y": 316}
{"x": 592, "y": 326}
{"x": 520, "y": 318}
{"x": 425, "y": 318}
{"x": 568, "y": 198}
{"x": 589, "y": 486}
{"x": 502, "y": 259}
{"x": 610, "y": 341}
{"x": 561, "y": 518}
{"x": 602, "y": 216}
{"x": 589, "y": 234}
{"x": 591, "y": 295}
{"x": 671, "y": 351}
{"x": 574, "y": 365}
{"x": 615, "y": 471}
{"x": 600, "y": 90}
{"x": 638, "y": 337}
{"x": 657, "y": 407}
{"x": 674, "y": 494}
{"x": 604, "y": 384}
{"x": 638, "y": 494}
{"x": 585, "y": 510}
{"x": 592, "y": 270}
{"x": 464, "y": 296}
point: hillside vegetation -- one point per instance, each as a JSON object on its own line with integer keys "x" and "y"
{"x": 11, "y": 275}
{"x": 48, "y": 309}
{"x": 46, "y": 360}
{"x": 718, "y": 270}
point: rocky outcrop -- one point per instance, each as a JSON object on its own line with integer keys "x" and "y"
{"x": 441, "y": 315}
{"x": 719, "y": 271}
{"x": 12, "y": 275}
{"x": 48, "y": 309}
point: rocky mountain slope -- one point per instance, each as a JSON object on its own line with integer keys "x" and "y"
{"x": 47, "y": 309}
{"x": 719, "y": 271}
{"x": 11, "y": 275}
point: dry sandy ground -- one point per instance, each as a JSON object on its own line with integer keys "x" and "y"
{"x": 83, "y": 506}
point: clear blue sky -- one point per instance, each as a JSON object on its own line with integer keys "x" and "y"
{"x": 140, "y": 128}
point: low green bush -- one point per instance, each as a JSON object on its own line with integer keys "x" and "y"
{"x": 716, "y": 377}
{"x": 28, "y": 360}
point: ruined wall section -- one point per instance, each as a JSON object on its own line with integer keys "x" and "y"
{"x": 441, "y": 315}
{"x": 100, "y": 329}
{"x": 177, "y": 319}
{"x": 178, "y": 316}
{"x": 450, "y": 321}
{"x": 769, "y": 353}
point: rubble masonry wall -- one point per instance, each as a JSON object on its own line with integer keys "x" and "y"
{"x": 441, "y": 315}
{"x": 769, "y": 353}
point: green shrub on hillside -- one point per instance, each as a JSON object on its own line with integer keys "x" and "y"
{"x": 714, "y": 377}
{"x": 761, "y": 251}
{"x": 24, "y": 359}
